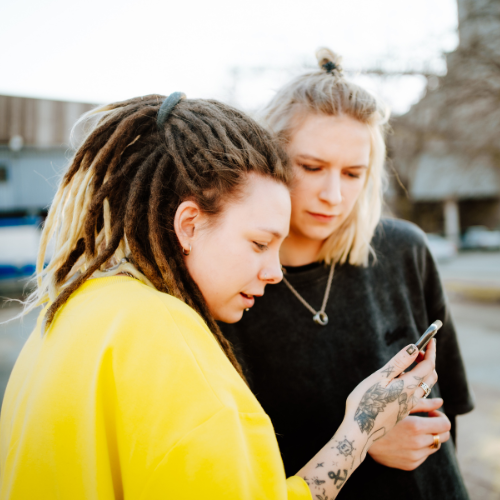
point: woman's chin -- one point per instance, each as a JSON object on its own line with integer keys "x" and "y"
{"x": 319, "y": 234}
{"x": 315, "y": 232}
{"x": 226, "y": 316}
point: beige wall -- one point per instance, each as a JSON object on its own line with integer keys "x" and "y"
{"x": 40, "y": 122}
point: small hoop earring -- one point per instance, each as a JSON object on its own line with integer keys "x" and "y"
{"x": 184, "y": 250}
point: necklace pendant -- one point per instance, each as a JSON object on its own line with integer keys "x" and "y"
{"x": 320, "y": 318}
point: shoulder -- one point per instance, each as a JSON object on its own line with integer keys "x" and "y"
{"x": 133, "y": 298}
{"x": 399, "y": 234}
{"x": 133, "y": 307}
{"x": 402, "y": 245}
{"x": 153, "y": 333}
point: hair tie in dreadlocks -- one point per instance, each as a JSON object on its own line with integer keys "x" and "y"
{"x": 166, "y": 108}
{"x": 330, "y": 67}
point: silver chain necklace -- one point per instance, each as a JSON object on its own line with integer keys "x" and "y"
{"x": 319, "y": 317}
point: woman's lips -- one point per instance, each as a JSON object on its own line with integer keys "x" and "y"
{"x": 248, "y": 300}
{"x": 322, "y": 217}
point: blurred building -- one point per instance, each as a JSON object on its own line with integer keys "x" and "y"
{"x": 446, "y": 149}
{"x": 34, "y": 147}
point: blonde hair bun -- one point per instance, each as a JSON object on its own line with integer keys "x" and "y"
{"x": 329, "y": 61}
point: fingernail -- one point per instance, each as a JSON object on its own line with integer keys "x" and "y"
{"x": 411, "y": 349}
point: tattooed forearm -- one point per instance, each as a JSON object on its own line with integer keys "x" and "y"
{"x": 344, "y": 447}
{"x": 315, "y": 482}
{"x": 328, "y": 471}
{"x": 338, "y": 478}
{"x": 374, "y": 402}
{"x": 326, "y": 475}
{"x": 323, "y": 496}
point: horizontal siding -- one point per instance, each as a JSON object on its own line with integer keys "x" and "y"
{"x": 40, "y": 122}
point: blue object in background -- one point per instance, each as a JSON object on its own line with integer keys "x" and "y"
{"x": 29, "y": 220}
{"x": 19, "y": 240}
{"x": 9, "y": 272}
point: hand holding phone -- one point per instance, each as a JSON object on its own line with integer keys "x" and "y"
{"x": 428, "y": 335}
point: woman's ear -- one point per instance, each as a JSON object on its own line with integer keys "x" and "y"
{"x": 188, "y": 218}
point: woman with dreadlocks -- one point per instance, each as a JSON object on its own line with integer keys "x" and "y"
{"x": 169, "y": 218}
{"x": 356, "y": 289}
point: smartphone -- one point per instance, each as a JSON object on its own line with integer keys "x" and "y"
{"x": 428, "y": 335}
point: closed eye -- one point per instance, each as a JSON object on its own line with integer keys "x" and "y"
{"x": 356, "y": 172}
{"x": 308, "y": 168}
{"x": 260, "y": 246}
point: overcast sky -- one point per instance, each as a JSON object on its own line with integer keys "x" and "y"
{"x": 106, "y": 50}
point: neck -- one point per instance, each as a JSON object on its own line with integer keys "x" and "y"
{"x": 299, "y": 251}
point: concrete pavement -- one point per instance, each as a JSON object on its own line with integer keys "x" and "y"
{"x": 472, "y": 281}
{"x": 473, "y": 275}
{"x": 478, "y": 433}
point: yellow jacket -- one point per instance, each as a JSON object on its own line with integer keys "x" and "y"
{"x": 128, "y": 395}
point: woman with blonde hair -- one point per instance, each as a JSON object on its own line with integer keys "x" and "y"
{"x": 356, "y": 289}
{"x": 169, "y": 218}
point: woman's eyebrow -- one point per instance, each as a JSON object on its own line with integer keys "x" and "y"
{"x": 319, "y": 160}
{"x": 310, "y": 157}
{"x": 275, "y": 233}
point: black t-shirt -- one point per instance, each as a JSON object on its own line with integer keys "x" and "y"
{"x": 302, "y": 372}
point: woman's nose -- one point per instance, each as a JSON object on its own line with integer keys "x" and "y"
{"x": 271, "y": 274}
{"x": 332, "y": 192}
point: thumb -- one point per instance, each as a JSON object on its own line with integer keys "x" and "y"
{"x": 427, "y": 405}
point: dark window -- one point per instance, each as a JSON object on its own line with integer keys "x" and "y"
{"x": 3, "y": 173}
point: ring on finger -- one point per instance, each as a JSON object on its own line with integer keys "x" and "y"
{"x": 437, "y": 443}
{"x": 426, "y": 388}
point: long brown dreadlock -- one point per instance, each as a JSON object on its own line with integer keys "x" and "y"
{"x": 120, "y": 194}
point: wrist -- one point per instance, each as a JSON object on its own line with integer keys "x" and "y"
{"x": 349, "y": 442}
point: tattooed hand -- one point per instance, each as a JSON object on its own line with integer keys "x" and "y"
{"x": 372, "y": 410}
{"x": 387, "y": 396}
{"x": 375, "y": 400}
